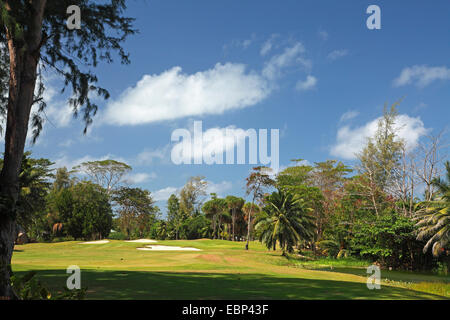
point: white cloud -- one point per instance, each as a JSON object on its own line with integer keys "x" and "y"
{"x": 291, "y": 56}
{"x": 172, "y": 94}
{"x": 65, "y": 161}
{"x": 163, "y": 194}
{"x": 349, "y": 115}
{"x": 67, "y": 143}
{"x": 58, "y": 112}
{"x": 218, "y": 188}
{"x": 323, "y": 34}
{"x": 244, "y": 44}
{"x": 268, "y": 45}
{"x": 216, "y": 141}
{"x": 274, "y": 173}
{"x": 308, "y": 84}
{"x": 336, "y": 54}
{"x": 137, "y": 178}
{"x": 350, "y": 141}
{"x": 147, "y": 157}
{"x": 422, "y": 75}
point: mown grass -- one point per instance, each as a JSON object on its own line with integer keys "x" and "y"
{"x": 222, "y": 270}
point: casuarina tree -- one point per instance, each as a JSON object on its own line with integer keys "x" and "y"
{"x": 35, "y": 35}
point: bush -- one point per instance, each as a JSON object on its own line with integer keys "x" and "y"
{"x": 28, "y": 287}
{"x": 117, "y": 236}
{"x": 84, "y": 210}
{"x": 390, "y": 240}
{"x": 195, "y": 228}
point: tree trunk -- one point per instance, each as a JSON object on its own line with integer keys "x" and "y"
{"x": 24, "y": 55}
{"x": 249, "y": 224}
{"x": 233, "y": 217}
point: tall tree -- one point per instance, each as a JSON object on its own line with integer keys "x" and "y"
{"x": 191, "y": 195}
{"x": 381, "y": 157}
{"x": 429, "y": 162}
{"x": 214, "y": 209}
{"x": 251, "y": 211}
{"x": 257, "y": 182}
{"x": 62, "y": 179}
{"x": 329, "y": 177}
{"x": 36, "y": 36}
{"x": 106, "y": 173}
{"x": 175, "y": 216}
{"x": 136, "y": 210}
{"x": 235, "y": 205}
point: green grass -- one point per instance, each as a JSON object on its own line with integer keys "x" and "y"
{"x": 223, "y": 270}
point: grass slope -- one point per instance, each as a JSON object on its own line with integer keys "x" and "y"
{"x": 223, "y": 270}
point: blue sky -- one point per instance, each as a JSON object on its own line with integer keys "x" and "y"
{"x": 311, "y": 69}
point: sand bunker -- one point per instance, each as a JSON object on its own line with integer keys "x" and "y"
{"x": 143, "y": 241}
{"x": 95, "y": 242}
{"x": 168, "y": 248}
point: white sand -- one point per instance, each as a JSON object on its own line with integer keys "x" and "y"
{"x": 168, "y": 248}
{"x": 95, "y": 242}
{"x": 143, "y": 241}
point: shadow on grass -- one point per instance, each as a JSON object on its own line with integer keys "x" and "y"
{"x": 396, "y": 275}
{"x": 105, "y": 284}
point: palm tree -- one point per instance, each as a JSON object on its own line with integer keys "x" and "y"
{"x": 285, "y": 220}
{"x": 434, "y": 217}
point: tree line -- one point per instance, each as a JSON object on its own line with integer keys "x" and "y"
{"x": 391, "y": 207}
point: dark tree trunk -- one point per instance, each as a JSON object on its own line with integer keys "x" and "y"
{"x": 24, "y": 56}
{"x": 233, "y": 218}
{"x": 7, "y": 237}
{"x": 249, "y": 223}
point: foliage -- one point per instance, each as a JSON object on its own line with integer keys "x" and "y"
{"x": 256, "y": 184}
{"x": 84, "y": 210}
{"x": 62, "y": 179}
{"x": 380, "y": 158}
{"x": 235, "y": 206}
{"x": 390, "y": 240}
{"x": 286, "y": 220}
{"x": 27, "y": 287}
{"x": 215, "y": 210}
{"x": 175, "y": 216}
{"x": 106, "y": 173}
{"x": 118, "y": 235}
{"x": 136, "y": 211}
{"x": 34, "y": 180}
{"x": 434, "y": 217}
{"x": 70, "y": 53}
{"x": 196, "y": 227}
{"x": 191, "y": 195}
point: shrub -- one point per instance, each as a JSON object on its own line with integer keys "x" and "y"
{"x": 117, "y": 236}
